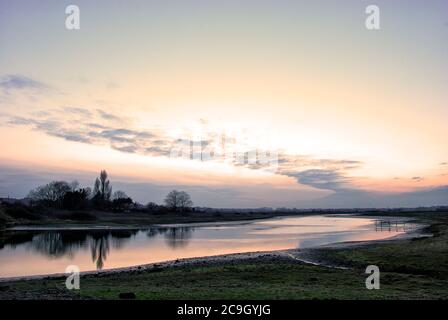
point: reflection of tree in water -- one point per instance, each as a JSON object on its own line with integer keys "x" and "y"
{"x": 100, "y": 244}
{"x": 119, "y": 237}
{"x": 178, "y": 237}
{"x": 56, "y": 244}
{"x": 99, "y": 248}
{"x": 15, "y": 238}
{"x": 175, "y": 237}
{"x": 152, "y": 232}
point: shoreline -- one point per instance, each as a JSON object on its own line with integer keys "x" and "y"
{"x": 101, "y": 227}
{"x": 71, "y": 227}
{"x": 111, "y": 220}
{"x": 305, "y": 255}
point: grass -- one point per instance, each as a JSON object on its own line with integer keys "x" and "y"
{"x": 266, "y": 280}
{"x": 410, "y": 269}
{"x": 269, "y": 279}
{"x": 418, "y": 257}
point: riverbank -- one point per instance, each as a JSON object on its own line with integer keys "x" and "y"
{"x": 415, "y": 268}
{"x": 19, "y": 219}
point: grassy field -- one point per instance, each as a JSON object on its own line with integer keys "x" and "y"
{"x": 420, "y": 257}
{"x": 410, "y": 269}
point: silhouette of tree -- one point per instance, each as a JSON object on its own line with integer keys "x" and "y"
{"x": 121, "y": 201}
{"x": 102, "y": 188}
{"x": 119, "y": 195}
{"x": 122, "y": 204}
{"x": 178, "y": 200}
{"x": 52, "y": 193}
{"x": 152, "y": 207}
{"x": 76, "y": 199}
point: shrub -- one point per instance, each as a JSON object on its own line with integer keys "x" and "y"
{"x": 20, "y": 212}
{"x": 3, "y": 220}
{"x": 81, "y": 216}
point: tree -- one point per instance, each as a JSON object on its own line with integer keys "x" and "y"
{"x": 121, "y": 201}
{"x": 151, "y": 206}
{"x": 102, "y": 188}
{"x": 119, "y": 195}
{"x": 52, "y": 193}
{"x": 76, "y": 199}
{"x": 178, "y": 200}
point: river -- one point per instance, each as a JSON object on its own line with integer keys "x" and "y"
{"x": 41, "y": 252}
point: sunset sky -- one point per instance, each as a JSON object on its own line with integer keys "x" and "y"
{"x": 354, "y": 117}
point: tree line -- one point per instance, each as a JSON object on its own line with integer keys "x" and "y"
{"x": 69, "y": 196}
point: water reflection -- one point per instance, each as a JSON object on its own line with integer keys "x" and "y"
{"x": 42, "y": 252}
{"x": 56, "y": 244}
{"x": 177, "y": 237}
{"x": 391, "y": 226}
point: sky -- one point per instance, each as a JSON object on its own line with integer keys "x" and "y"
{"x": 240, "y": 103}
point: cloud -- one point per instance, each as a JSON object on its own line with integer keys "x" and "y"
{"x": 326, "y": 174}
{"x": 128, "y": 148}
{"x": 365, "y": 199}
{"x": 72, "y": 136}
{"x": 20, "y": 82}
{"x": 107, "y": 116}
{"x": 79, "y": 111}
{"x": 321, "y": 178}
{"x": 60, "y": 123}
{"x": 96, "y": 126}
{"x": 21, "y": 121}
{"x": 162, "y": 151}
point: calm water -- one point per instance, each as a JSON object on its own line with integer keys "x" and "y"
{"x": 46, "y": 252}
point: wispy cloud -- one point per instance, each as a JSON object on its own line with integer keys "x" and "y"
{"x": 107, "y": 116}
{"x": 20, "y": 82}
{"x": 328, "y": 179}
{"x": 78, "y": 110}
{"x": 109, "y": 129}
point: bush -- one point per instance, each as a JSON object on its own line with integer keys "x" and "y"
{"x": 20, "y": 212}
{"x": 122, "y": 204}
{"x": 81, "y": 216}
{"x": 3, "y": 220}
{"x": 77, "y": 199}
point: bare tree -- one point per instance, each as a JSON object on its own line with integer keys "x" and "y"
{"x": 53, "y": 192}
{"x": 119, "y": 195}
{"x": 178, "y": 200}
{"x": 102, "y": 187}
